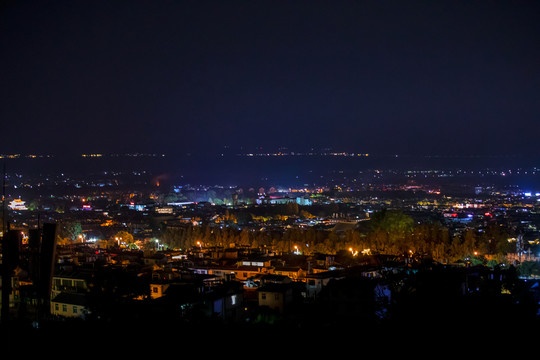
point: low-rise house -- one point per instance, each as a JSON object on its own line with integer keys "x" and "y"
{"x": 160, "y": 281}
{"x": 210, "y": 297}
{"x": 316, "y": 282}
{"x": 68, "y": 294}
{"x": 69, "y": 305}
{"x": 70, "y": 282}
{"x": 158, "y": 288}
{"x": 250, "y": 266}
{"x": 274, "y": 279}
{"x": 276, "y": 296}
{"x": 294, "y": 272}
{"x": 225, "y": 302}
{"x": 223, "y": 272}
{"x": 158, "y": 259}
{"x": 243, "y": 272}
{"x": 321, "y": 262}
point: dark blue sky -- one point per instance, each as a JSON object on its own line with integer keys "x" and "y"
{"x": 428, "y": 77}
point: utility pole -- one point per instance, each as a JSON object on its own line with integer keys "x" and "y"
{"x": 6, "y": 278}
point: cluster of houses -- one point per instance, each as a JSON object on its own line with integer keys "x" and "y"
{"x": 235, "y": 285}
{"x": 230, "y": 284}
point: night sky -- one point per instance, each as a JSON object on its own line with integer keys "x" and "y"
{"x": 426, "y": 77}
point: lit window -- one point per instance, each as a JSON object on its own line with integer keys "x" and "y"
{"x": 233, "y": 299}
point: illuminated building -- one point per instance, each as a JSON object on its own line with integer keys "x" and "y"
{"x": 17, "y": 204}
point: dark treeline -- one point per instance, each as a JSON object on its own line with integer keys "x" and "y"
{"x": 387, "y": 232}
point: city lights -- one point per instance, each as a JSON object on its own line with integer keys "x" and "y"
{"x": 212, "y": 175}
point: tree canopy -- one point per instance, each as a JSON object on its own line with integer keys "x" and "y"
{"x": 386, "y": 232}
